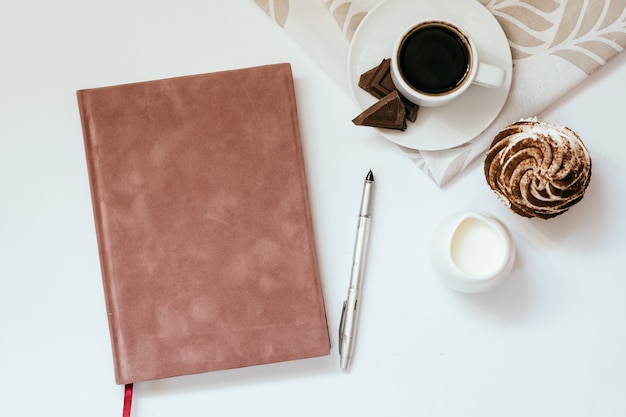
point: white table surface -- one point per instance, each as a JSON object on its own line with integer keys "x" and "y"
{"x": 551, "y": 341}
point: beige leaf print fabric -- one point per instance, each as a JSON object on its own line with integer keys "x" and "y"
{"x": 277, "y": 9}
{"x": 348, "y": 14}
{"x": 555, "y": 45}
{"x": 585, "y": 33}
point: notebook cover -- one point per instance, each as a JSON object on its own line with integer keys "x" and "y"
{"x": 203, "y": 223}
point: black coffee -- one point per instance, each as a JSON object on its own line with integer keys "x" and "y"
{"x": 434, "y": 59}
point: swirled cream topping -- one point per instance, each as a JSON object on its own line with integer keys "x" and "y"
{"x": 538, "y": 169}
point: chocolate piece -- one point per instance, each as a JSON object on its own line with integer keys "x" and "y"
{"x": 389, "y": 112}
{"x": 381, "y": 83}
{"x": 365, "y": 78}
{"x": 411, "y": 109}
{"x": 377, "y": 81}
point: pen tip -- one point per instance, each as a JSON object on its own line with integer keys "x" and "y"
{"x": 370, "y": 176}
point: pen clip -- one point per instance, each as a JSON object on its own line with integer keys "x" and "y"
{"x": 342, "y": 323}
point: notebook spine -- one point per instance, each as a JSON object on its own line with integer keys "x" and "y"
{"x": 91, "y": 152}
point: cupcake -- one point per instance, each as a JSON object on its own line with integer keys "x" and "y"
{"x": 538, "y": 169}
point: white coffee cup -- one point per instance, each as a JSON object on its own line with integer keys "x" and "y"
{"x": 435, "y": 61}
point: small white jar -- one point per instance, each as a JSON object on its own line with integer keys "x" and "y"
{"x": 472, "y": 252}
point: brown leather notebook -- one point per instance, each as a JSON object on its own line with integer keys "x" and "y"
{"x": 203, "y": 223}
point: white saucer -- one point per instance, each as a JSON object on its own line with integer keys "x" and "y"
{"x": 463, "y": 119}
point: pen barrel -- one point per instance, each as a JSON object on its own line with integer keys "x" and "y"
{"x": 351, "y": 309}
{"x": 360, "y": 252}
{"x": 366, "y": 199}
{"x": 348, "y": 329}
{"x": 350, "y": 313}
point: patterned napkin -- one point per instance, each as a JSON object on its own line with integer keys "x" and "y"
{"x": 555, "y": 45}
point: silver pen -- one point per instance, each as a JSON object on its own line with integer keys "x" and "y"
{"x": 350, "y": 313}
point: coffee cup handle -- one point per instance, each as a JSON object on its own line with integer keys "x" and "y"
{"x": 489, "y": 76}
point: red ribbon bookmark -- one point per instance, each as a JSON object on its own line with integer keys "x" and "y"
{"x": 128, "y": 399}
